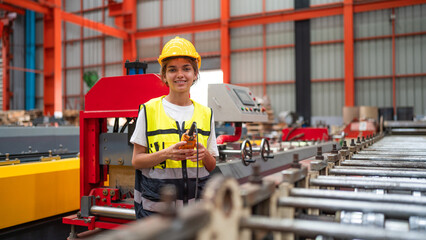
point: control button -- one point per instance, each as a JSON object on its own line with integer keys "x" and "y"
{"x": 247, "y": 109}
{"x": 242, "y": 109}
{"x": 251, "y": 109}
{"x": 263, "y": 109}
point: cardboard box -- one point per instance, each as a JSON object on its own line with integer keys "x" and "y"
{"x": 349, "y": 114}
{"x": 368, "y": 112}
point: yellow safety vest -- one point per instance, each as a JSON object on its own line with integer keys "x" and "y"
{"x": 162, "y": 132}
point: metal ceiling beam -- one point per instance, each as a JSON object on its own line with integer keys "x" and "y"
{"x": 69, "y": 17}
{"x": 84, "y": 22}
{"x": 372, "y": 6}
{"x": 278, "y": 16}
{"x": 180, "y": 29}
{"x": 11, "y": 9}
{"x": 30, "y": 5}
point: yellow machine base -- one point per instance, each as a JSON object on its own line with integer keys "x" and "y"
{"x": 32, "y": 191}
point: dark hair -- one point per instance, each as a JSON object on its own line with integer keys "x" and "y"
{"x": 166, "y": 61}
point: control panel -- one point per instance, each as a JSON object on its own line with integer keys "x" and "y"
{"x": 231, "y": 103}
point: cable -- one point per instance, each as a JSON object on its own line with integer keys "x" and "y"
{"x": 196, "y": 179}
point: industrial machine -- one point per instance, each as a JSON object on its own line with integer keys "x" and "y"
{"x": 106, "y": 174}
{"x": 373, "y": 190}
{"x": 231, "y": 103}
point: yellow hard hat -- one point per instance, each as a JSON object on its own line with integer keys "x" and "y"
{"x": 179, "y": 47}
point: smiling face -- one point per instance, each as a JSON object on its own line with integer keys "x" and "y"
{"x": 179, "y": 74}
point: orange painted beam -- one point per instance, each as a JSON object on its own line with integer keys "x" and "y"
{"x": 386, "y": 4}
{"x": 5, "y": 56}
{"x": 69, "y": 17}
{"x": 105, "y": 29}
{"x": 179, "y": 29}
{"x": 53, "y": 62}
{"x": 225, "y": 41}
{"x": 348, "y": 41}
{"x": 284, "y": 16}
{"x": 273, "y": 17}
{"x": 30, "y": 5}
{"x": 130, "y": 24}
{"x": 10, "y": 8}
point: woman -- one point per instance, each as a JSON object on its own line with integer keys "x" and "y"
{"x": 157, "y": 154}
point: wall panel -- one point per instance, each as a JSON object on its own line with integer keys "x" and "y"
{"x": 72, "y": 55}
{"x": 207, "y": 10}
{"x": 148, "y": 14}
{"x": 411, "y": 54}
{"x": 113, "y": 50}
{"x": 317, "y": 2}
{"x": 279, "y": 33}
{"x": 280, "y": 65}
{"x": 410, "y": 19}
{"x": 273, "y": 5}
{"x": 411, "y": 92}
{"x": 327, "y": 98}
{"x": 374, "y": 23}
{"x": 373, "y": 58}
{"x": 327, "y": 28}
{"x": 282, "y": 97}
{"x": 207, "y": 41}
{"x": 114, "y": 70}
{"x": 92, "y": 52}
{"x": 327, "y": 61}
{"x": 247, "y": 67}
{"x": 246, "y": 37}
{"x": 242, "y": 7}
{"x": 373, "y": 92}
{"x": 148, "y": 47}
{"x": 176, "y": 12}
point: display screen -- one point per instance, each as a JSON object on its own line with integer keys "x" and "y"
{"x": 244, "y": 97}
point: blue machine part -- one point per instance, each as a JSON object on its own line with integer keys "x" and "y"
{"x": 30, "y": 59}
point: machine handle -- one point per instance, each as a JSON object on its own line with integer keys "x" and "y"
{"x": 247, "y": 153}
{"x": 265, "y": 150}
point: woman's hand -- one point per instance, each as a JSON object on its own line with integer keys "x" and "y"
{"x": 173, "y": 152}
{"x": 203, "y": 154}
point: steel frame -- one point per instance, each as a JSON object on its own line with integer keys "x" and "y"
{"x": 130, "y": 34}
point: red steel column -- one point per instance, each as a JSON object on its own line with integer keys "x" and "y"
{"x": 5, "y": 55}
{"x": 129, "y": 44}
{"x": 53, "y": 61}
{"x": 225, "y": 47}
{"x": 81, "y": 60}
{"x": 348, "y": 41}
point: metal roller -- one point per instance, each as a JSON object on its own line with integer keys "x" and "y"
{"x": 397, "y": 210}
{"x": 122, "y": 213}
{"x": 360, "y": 196}
{"x": 385, "y": 173}
{"x": 389, "y": 158}
{"x": 369, "y": 184}
{"x": 379, "y": 168}
{"x": 394, "y": 164}
{"x": 375, "y": 179}
{"x": 313, "y": 229}
{"x": 392, "y": 152}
